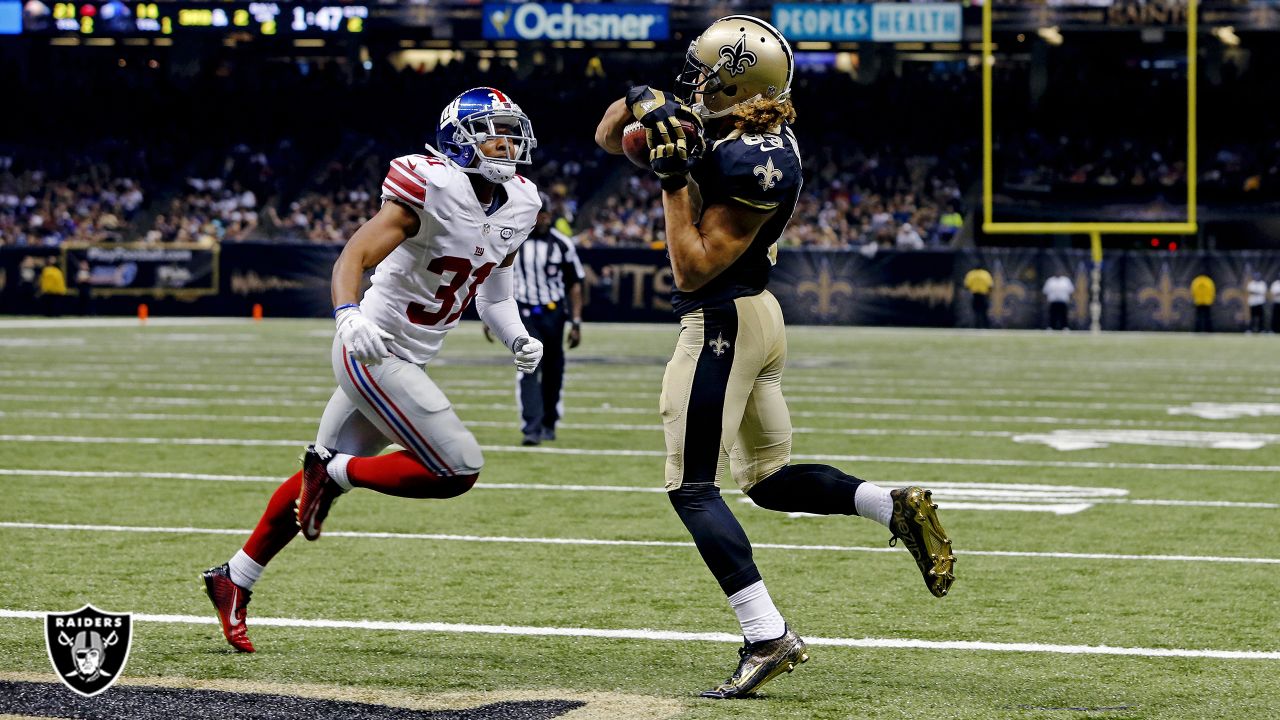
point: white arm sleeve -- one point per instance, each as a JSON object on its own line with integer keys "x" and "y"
{"x": 497, "y": 307}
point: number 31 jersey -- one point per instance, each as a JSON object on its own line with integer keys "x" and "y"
{"x": 420, "y": 290}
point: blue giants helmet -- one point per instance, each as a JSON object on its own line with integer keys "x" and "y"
{"x": 477, "y": 116}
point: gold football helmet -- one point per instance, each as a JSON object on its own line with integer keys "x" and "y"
{"x": 736, "y": 60}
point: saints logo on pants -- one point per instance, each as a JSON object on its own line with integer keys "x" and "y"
{"x": 88, "y": 647}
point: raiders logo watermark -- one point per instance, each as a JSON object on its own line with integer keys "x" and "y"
{"x": 88, "y": 647}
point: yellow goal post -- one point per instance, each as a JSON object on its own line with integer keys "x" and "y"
{"x": 1095, "y": 230}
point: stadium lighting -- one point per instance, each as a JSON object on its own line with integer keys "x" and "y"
{"x": 1051, "y": 35}
{"x": 1227, "y": 35}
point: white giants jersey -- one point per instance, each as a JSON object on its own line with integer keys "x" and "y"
{"x": 420, "y": 290}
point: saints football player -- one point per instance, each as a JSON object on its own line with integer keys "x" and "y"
{"x": 726, "y": 202}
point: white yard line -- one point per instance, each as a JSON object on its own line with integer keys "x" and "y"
{"x": 163, "y": 417}
{"x": 836, "y": 397}
{"x": 265, "y": 391}
{"x": 633, "y": 543}
{"x": 511, "y": 425}
{"x": 583, "y": 410}
{"x": 116, "y": 322}
{"x": 680, "y": 636}
{"x": 585, "y": 452}
{"x": 1009, "y": 492}
{"x": 116, "y": 400}
{"x": 321, "y": 382}
{"x": 800, "y": 378}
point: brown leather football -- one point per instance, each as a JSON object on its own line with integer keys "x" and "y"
{"x": 636, "y": 147}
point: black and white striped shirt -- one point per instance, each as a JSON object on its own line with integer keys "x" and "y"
{"x": 546, "y": 262}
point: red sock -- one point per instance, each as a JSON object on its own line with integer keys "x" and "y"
{"x": 278, "y": 524}
{"x": 403, "y": 475}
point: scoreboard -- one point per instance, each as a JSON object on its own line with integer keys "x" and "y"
{"x": 166, "y": 18}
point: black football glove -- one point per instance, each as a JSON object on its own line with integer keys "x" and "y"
{"x": 672, "y": 152}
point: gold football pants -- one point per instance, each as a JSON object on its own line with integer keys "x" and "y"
{"x": 722, "y": 394}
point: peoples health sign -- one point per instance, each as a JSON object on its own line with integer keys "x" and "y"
{"x": 881, "y": 22}
{"x": 569, "y": 21}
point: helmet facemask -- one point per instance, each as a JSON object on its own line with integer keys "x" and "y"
{"x": 472, "y": 122}
{"x": 479, "y": 128}
{"x": 697, "y": 79}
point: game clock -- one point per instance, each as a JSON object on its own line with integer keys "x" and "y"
{"x": 166, "y": 18}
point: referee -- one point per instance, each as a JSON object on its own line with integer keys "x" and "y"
{"x": 546, "y": 265}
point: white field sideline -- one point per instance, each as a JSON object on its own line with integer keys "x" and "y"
{"x": 678, "y": 636}
{"x": 268, "y": 398}
{"x": 1183, "y": 439}
{"x": 322, "y": 329}
{"x": 586, "y": 452}
{"x": 321, "y": 382}
{"x": 1020, "y": 492}
{"x": 583, "y": 370}
{"x": 584, "y": 373}
{"x": 584, "y": 410}
{"x": 592, "y": 542}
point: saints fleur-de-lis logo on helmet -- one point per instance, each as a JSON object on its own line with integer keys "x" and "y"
{"x": 768, "y": 174}
{"x": 737, "y": 58}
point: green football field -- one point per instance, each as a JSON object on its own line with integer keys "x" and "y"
{"x": 1111, "y": 500}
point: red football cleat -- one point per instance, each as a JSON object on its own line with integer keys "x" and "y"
{"x": 318, "y": 491}
{"x": 230, "y": 600}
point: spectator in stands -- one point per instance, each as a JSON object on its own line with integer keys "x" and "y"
{"x": 1058, "y": 290}
{"x": 979, "y": 282}
{"x": 1257, "y": 292}
{"x": 908, "y": 238}
{"x": 1203, "y": 292}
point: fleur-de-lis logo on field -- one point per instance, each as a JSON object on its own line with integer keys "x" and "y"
{"x": 737, "y": 57}
{"x": 719, "y": 345}
{"x": 768, "y": 174}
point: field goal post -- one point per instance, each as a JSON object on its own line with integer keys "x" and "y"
{"x": 1095, "y": 230}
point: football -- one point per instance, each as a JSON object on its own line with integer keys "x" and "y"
{"x": 636, "y": 147}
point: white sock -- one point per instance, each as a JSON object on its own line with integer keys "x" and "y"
{"x": 337, "y": 469}
{"x": 759, "y": 619}
{"x": 244, "y": 571}
{"x": 874, "y": 503}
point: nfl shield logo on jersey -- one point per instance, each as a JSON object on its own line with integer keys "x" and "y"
{"x": 88, "y": 647}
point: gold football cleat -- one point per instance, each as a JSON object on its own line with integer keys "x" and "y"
{"x": 915, "y": 523}
{"x": 761, "y": 662}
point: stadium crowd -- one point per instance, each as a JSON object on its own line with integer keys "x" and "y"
{"x": 893, "y": 164}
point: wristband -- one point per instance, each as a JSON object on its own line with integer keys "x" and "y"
{"x": 672, "y": 183}
{"x": 340, "y": 308}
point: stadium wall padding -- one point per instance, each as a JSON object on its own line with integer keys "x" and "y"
{"x": 1141, "y": 290}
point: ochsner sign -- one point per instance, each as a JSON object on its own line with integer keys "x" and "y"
{"x": 567, "y": 21}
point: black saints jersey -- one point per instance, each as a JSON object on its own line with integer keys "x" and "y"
{"x": 760, "y": 173}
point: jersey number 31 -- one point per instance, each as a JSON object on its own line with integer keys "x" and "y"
{"x": 447, "y": 294}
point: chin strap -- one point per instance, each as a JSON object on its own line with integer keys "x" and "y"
{"x": 470, "y": 170}
{"x": 706, "y": 114}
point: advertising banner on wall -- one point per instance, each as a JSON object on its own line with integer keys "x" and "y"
{"x": 879, "y": 22}
{"x": 136, "y": 269}
{"x": 574, "y": 21}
